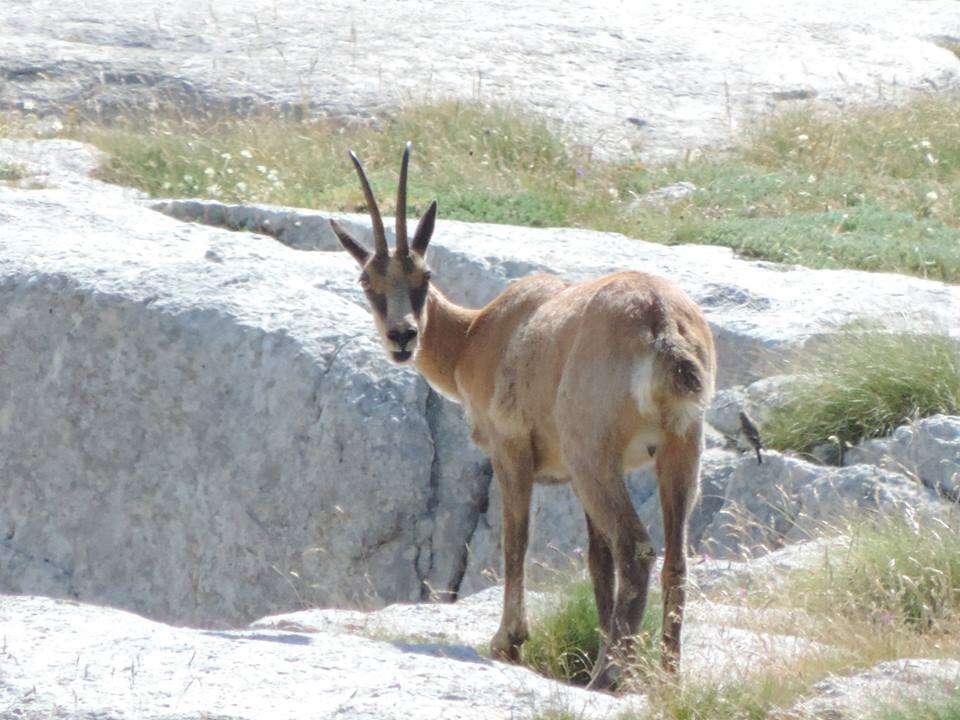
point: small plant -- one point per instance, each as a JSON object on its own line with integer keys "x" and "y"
{"x": 10, "y": 172}
{"x": 864, "y": 384}
{"x": 565, "y": 634}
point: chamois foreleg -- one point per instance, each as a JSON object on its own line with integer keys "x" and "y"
{"x": 513, "y": 468}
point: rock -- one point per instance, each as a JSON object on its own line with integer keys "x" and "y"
{"x": 896, "y": 683}
{"x": 761, "y": 313}
{"x": 64, "y": 658}
{"x": 585, "y": 67}
{"x": 787, "y": 500}
{"x": 928, "y": 449}
{"x": 757, "y": 399}
{"x": 223, "y": 402}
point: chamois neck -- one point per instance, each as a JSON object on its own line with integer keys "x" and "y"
{"x": 442, "y": 341}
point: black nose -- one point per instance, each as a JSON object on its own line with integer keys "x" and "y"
{"x": 402, "y": 337}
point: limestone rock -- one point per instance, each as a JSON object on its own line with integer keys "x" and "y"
{"x": 200, "y": 425}
{"x": 928, "y": 449}
{"x": 67, "y": 659}
{"x": 787, "y": 500}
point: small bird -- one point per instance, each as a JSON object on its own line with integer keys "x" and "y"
{"x": 752, "y": 434}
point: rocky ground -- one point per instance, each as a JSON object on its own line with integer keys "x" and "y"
{"x": 666, "y": 76}
{"x": 66, "y": 659}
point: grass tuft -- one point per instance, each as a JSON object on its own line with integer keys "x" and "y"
{"x": 564, "y": 638}
{"x": 946, "y": 709}
{"x": 864, "y": 384}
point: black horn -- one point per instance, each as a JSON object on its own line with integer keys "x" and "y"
{"x": 402, "y": 247}
{"x": 379, "y": 237}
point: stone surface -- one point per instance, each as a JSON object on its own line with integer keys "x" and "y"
{"x": 898, "y": 683}
{"x": 787, "y": 500}
{"x": 208, "y": 402}
{"x": 756, "y": 399}
{"x": 928, "y": 449}
{"x": 760, "y": 312}
{"x": 663, "y": 75}
{"x": 64, "y": 659}
{"x": 664, "y": 196}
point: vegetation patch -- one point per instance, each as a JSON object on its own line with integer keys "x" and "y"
{"x": 874, "y": 189}
{"x": 564, "y": 640}
{"x": 10, "y": 172}
{"x": 946, "y": 709}
{"x": 897, "y": 573}
{"x": 864, "y": 384}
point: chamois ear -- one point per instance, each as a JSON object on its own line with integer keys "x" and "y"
{"x": 421, "y": 238}
{"x": 360, "y": 254}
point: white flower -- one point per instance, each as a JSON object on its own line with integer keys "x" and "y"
{"x": 929, "y": 159}
{"x": 246, "y": 153}
{"x": 802, "y": 138}
{"x": 812, "y": 179}
{"x": 924, "y": 143}
{"x": 188, "y": 178}
{"x": 226, "y": 156}
{"x": 242, "y": 186}
{"x": 261, "y": 168}
{"x": 932, "y": 196}
{"x": 209, "y": 172}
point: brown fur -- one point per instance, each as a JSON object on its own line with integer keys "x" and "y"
{"x": 576, "y": 383}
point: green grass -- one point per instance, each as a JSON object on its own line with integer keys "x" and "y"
{"x": 896, "y": 572}
{"x": 564, "y": 637}
{"x": 864, "y": 384}
{"x": 874, "y": 189}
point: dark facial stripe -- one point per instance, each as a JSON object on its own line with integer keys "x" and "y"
{"x": 378, "y": 301}
{"x": 418, "y": 297}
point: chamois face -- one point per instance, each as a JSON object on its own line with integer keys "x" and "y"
{"x": 396, "y": 288}
{"x": 395, "y": 283}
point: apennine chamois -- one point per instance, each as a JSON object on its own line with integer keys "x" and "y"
{"x": 562, "y": 382}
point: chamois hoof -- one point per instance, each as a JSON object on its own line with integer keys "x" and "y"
{"x": 506, "y": 647}
{"x": 606, "y": 676}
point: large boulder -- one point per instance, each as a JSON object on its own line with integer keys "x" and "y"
{"x": 928, "y": 449}
{"x": 196, "y": 425}
{"x": 665, "y": 76}
{"x": 788, "y": 500}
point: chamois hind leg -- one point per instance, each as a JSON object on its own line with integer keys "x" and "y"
{"x": 600, "y": 563}
{"x": 678, "y": 477}
{"x": 603, "y": 492}
{"x": 513, "y": 468}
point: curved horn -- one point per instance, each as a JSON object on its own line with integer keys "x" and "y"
{"x": 379, "y": 237}
{"x": 402, "y": 247}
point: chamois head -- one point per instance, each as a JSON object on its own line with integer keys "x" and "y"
{"x": 396, "y": 283}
